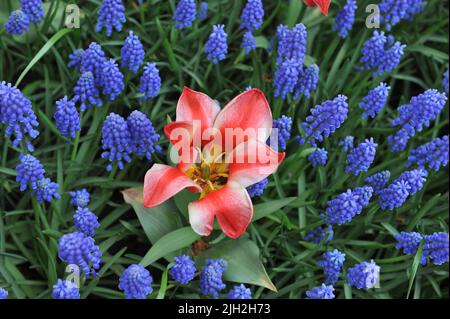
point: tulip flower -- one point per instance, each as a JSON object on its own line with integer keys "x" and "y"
{"x": 220, "y": 153}
{"x": 322, "y": 4}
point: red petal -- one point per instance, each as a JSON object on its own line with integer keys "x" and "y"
{"x": 162, "y": 182}
{"x": 248, "y": 111}
{"x": 253, "y": 161}
{"x": 180, "y": 133}
{"x": 324, "y": 5}
{"x": 233, "y": 208}
{"x": 310, "y": 3}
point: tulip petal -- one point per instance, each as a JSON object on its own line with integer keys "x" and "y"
{"x": 162, "y": 182}
{"x": 232, "y": 206}
{"x": 248, "y": 111}
{"x": 323, "y": 5}
{"x": 252, "y": 161}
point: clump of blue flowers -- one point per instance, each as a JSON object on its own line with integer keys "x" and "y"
{"x": 211, "y": 277}
{"x": 18, "y": 22}
{"x": 361, "y": 157}
{"x": 132, "y": 53}
{"x": 286, "y": 77}
{"x": 318, "y": 234}
{"x": 437, "y": 247}
{"x": 252, "y": 15}
{"x": 75, "y": 59}
{"x": 364, "y": 275}
{"x": 66, "y": 116}
{"x": 93, "y": 60}
{"x": 347, "y": 143}
{"x": 375, "y": 100}
{"x": 240, "y": 292}
{"x": 202, "y": 10}
{"x": 3, "y": 294}
{"x": 46, "y": 190}
{"x": 332, "y": 262}
{"x": 321, "y": 292}
{"x": 78, "y": 249}
{"x": 85, "y": 221}
{"x": 86, "y": 92}
{"x": 414, "y": 178}
{"x": 394, "y": 195}
{"x": 111, "y": 80}
{"x": 378, "y": 181}
{"x": 318, "y": 157}
{"x": 143, "y": 137}
{"x": 258, "y": 189}
{"x": 80, "y": 198}
{"x": 65, "y": 289}
{"x": 393, "y": 11}
{"x": 136, "y": 282}
{"x": 216, "y": 47}
{"x": 283, "y": 127}
{"x": 183, "y": 270}
{"x": 185, "y": 13}
{"x": 346, "y": 18}
{"x": 116, "y": 141}
{"x": 248, "y": 42}
{"x": 409, "y": 242}
{"x": 291, "y": 43}
{"x": 111, "y": 15}
{"x": 33, "y": 9}
{"x": 150, "y": 82}
{"x": 433, "y": 154}
{"x": 307, "y": 81}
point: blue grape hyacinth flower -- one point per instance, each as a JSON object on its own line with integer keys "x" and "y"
{"x": 136, "y": 282}
{"x": 252, "y": 15}
{"x": 291, "y": 43}
{"x": 393, "y": 11}
{"x": 17, "y": 23}
{"x": 414, "y": 178}
{"x": 17, "y": 114}
{"x": 116, "y": 141}
{"x": 143, "y": 137}
{"x": 375, "y": 100}
{"x": 409, "y": 242}
{"x": 34, "y": 9}
{"x": 378, "y": 181}
{"x": 434, "y": 154}
{"x": 202, "y": 11}
{"x": 286, "y": 77}
{"x": 321, "y": 292}
{"x": 185, "y": 13}
{"x": 248, "y": 42}
{"x": 29, "y": 172}
{"x": 86, "y": 92}
{"x": 80, "y": 198}
{"x": 282, "y": 127}
{"x": 361, "y": 157}
{"x": 216, "y": 47}
{"x": 150, "y": 82}
{"x": 332, "y": 262}
{"x": 240, "y": 292}
{"x": 307, "y": 81}
{"x": 46, "y": 190}
{"x": 258, "y": 189}
{"x": 65, "y": 289}
{"x": 75, "y": 59}
{"x": 394, "y": 195}
{"x": 93, "y": 60}
{"x": 3, "y": 294}
{"x": 318, "y": 157}
{"x": 85, "y": 221}
{"x": 183, "y": 270}
{"x": 437, "y": 247}
{"x": 112, "y": 82}
{"x": 325, "y": 119}
{"x": 317, "y": 235}
{"x": 364, "y": 275}
{"x": 346, "y": 18}
{"x": 211, "y": 277}
{"x": 78, "y": 249}
{"x": 132, "y": 53}
{"x": 111, "y": 15}
{"x": 66, "y": 117}
{"x": 347, "y": 143}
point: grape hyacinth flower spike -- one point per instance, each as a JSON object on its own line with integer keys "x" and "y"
{"x": 185, "y": 13}
{"x": 132, "y": 53}
{"x": 216, "y": 47}
{"x": 116, "y": 141}
{"x": 150, "y": 82}
{"x": 65, "y": 289}
{"x": 375, "y": 101}
{"x": 136, "y": 282}
{"x": 18, "y": 22}
{"x": 345, "y": 18}
{"x": 252, "y": 15}
{"x": 321, "y": 292}
{"x": 86, "y": 92}
{"x": 66, "y": 117}
{"x": 111, "y": 15}
{"x": 34, "y": 9}
{"x": 240, "y": 292}
{"x": 211, "y": 277}
{"x": 183, "y": 271}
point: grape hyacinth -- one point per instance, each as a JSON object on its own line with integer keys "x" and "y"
{"x": 409, "y": 242}
{"x": 414, "y": 178}
{"x": 18, "y": 22}
{"x": 240, "y": 292}
{"x": 75, "y": 59}
{"x": 185, "y": 13}
{"x": 33, "y": 9}
{"x": 437, "y": 247}
{"x": 378, "y": 181}
{"x": 347, "y": 205}
{"x": 375, "y": 100}
{"x": 150, "y": 82}
{"x": 291, "y": 43}
{"x": 252, "y": 15}
{"x": 111, "y": 15}
{"x": 80, "y": 198}
{"x": 216, "y": 47}
{"x": 283, "y": 127}
{"x": 445, "y": 82}
{"x": 361, "y": 157}
{"x": 318, "y": 157}
{"x": 381, "y": 53}
{"x": 93, "y": 60}
{"x": 433, "y": 154}
{"x": 286, "y": 77}
{"x": 17, "y": 114}
{"x": 416, "y": 115}
{"x": 325, "y": 119}
{"x": 143, "y": 137}
{"x": 66, "y": 117}
{"x": 248, "y": 42}
{"x": 116, "y": 141}
{"x": 321, "y": 292}
{"x": 132, "y": 53}
{"x": 29, "y": 172}
{"x": 3, "y": 294}
{"x": 211, "y": 277}
{"x": 136, "y": 282}
{"x": 345, "y": 18}
{"x": 393, "y": 11}
{"x": 318, "y": 234}
{"x": 364, "y": 275}
{"x": 202, "y": 10}
{"x": 85, "y": 221}
{"x": 394, "y": 195}
{"x": 183, "y": 271}
{"x": 65, "y": 289}
{"x": 347, "y": 143}
{"x": 332, "y": 262}
{"x": 46, "y": 190}
{"x": 258, "y": 189}
{"x": 86, "y": 92}
{"x": 111, "y": 80}
{"x": 307, "y": 81}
